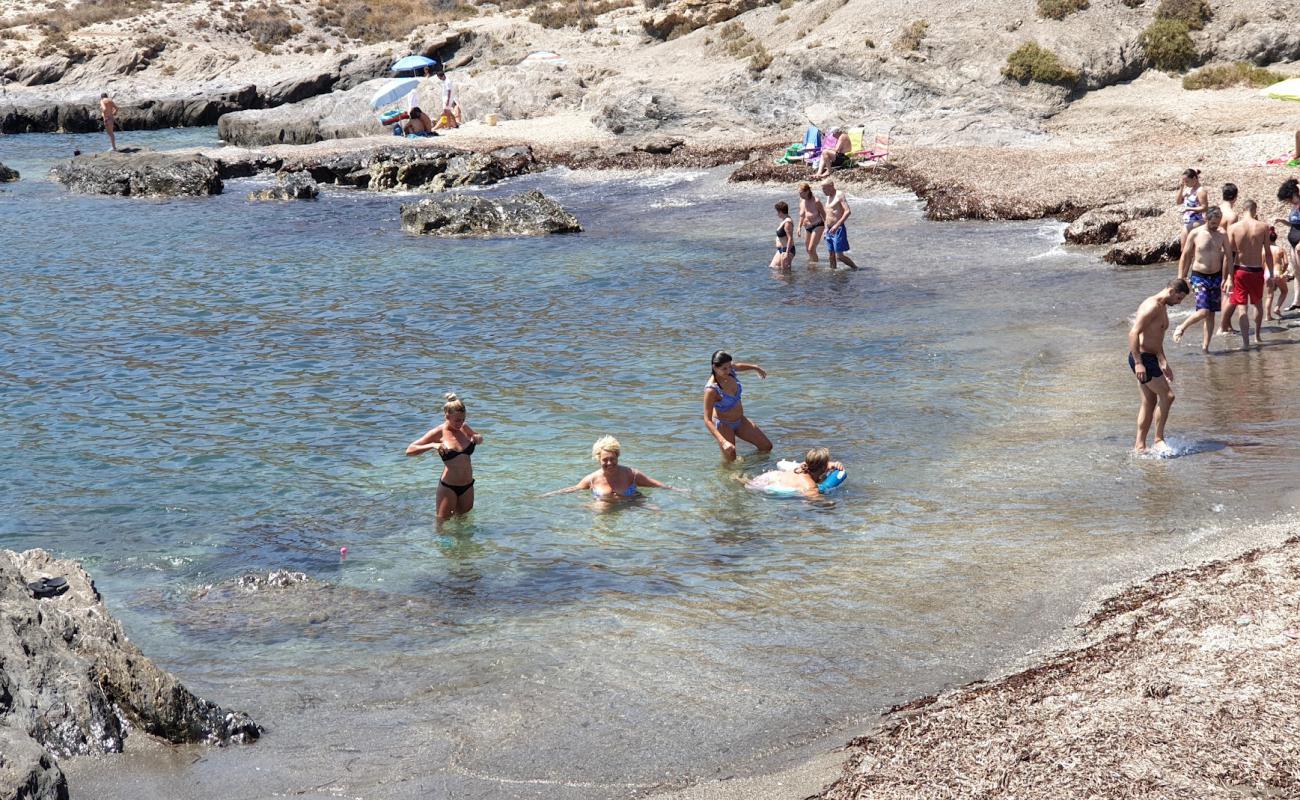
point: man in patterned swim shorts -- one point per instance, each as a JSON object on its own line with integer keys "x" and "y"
{"x": 1204, "y": 265}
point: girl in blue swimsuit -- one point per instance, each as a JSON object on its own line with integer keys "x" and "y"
{"x": 612, "y": 483}
{"x": 455, "y": 442}
{"x": 723, "y": 414}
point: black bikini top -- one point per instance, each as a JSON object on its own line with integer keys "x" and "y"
{"x": 450, "y": 454}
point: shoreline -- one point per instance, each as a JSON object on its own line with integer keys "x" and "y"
{"x": 1102, "y": 620}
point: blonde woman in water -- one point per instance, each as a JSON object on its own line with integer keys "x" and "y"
{"x": 612, "y": 482}
{"x": 455, "y": 442}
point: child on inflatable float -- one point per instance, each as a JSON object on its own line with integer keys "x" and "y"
{"x": 815, "y": 475}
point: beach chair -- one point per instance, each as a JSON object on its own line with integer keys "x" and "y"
{"x": 812, "y": 144}
{"x": 876, "y": 152}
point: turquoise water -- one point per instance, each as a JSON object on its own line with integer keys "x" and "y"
{"x": 197, "y": 389}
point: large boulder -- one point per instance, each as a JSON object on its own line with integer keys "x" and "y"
{"x": 71, "y": 683}
{"x": 427, "y": 168}
{"x": 8, "y": 174}
{"x": 639, "y": 109}
{"x": 293, "y": 186}
{"x": 337, "y": 115}
{"x": 141, "y": 172}
{"x": 527, "y": 214}
{"x": 683, "y": 16}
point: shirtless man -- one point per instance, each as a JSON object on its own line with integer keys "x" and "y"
{"x": 419, "y": 122}
{"x": 109, "y": 110}
{"x": 837, "y": 213}
{"x": 1146, "y": 357}
{"x": 1229, "y": 208}
{"x": 1204, "y": 265}
{"x": 1250, "y": 255}
{"x": 837, "y": 158}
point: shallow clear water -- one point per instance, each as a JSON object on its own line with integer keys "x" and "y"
{"x": 197, "y": 389}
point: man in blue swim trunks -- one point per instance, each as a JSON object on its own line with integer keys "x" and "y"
{"x": 837, "y": 237}
{"x": 1146, "y": 357}
{"x": 1204, "y": 265}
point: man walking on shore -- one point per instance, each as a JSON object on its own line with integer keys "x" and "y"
{"x": 1249, "y": 253}
{"x": 837, "y": 237}
{"x": 1146, "y": 357}
{"x": 1204, "y": 264}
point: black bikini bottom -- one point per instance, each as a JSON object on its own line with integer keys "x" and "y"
{"x": 459, "y": 490}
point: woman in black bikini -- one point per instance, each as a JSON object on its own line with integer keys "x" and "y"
{"x": 784, "y": 255}
{"x": 455, "y": 442}
{"x": 812, "y": 219}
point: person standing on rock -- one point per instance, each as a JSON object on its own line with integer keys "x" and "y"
{"x": 1193, "y": 200}
{"x": 1146, "y": 358}
{"x": 812, "y": 221}
{"x": 837, "y": 214}
{"x": 108, "y": 109}
{"x": 455, "y": 442}
{"x": 1204, "y": 264}
{"x": 1252, "y": 261}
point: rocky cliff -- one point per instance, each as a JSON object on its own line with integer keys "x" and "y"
{"x": 72, "y": 683}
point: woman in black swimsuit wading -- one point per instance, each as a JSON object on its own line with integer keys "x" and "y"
{"x": 455, "y": 442}
{"x": 1289, "y": 193}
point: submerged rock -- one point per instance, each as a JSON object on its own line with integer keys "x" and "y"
{"x": 71, "y": 683}
{"x": 141, "y": 172}
{"x": 293, "y": 186}
{"x": 8, "y": 174}
{"x": 527, "y": 214}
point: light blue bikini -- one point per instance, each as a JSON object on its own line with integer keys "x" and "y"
{"x": 726, "y": 402}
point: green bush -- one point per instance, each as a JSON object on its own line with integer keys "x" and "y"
{"x": 1032, "y": 62}
{"x": 1194, "y": 13}
{"x": 1060, "y": 9}
{"x": 1168, "y": 43}
{"x": 912, "y": 36}
{"x": 1223, "y": 76}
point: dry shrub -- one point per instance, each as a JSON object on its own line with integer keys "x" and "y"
{"x": 268, "y": 26}
{"x": 1168, "y": 44}
{"x": 61, "y": 19}
{"x": 912, "y": 36}
{"x": 1193, "y": 13}
{"x": 150, "y": 45}
{"x": 374, "y": 21}
{"x": 1032, "y": 62}
{"x": 574, "y": 13}
{"x": 1224, "y": 76}
{"x": 1060, "y": 9}
{"x": 58, "y": 43}
{"x": 738, "y": 42}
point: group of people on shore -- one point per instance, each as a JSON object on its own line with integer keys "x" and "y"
{"x": 418, "y": 122}
{"x": 724, "y": 416}
{"x": 1230, "y": 259}
{"x": 817, "y": 220}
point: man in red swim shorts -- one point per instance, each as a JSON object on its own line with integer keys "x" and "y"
{"x": 1250, "y": 254}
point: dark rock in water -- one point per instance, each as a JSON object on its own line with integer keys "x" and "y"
{"x": 527, "y": 214}
{"x": 1102, "y": 225}
{"x": 71, "y": 683}
{"x": 428, "y": 168}
{"x": 8, "y": 174}
{"x": 293, "y": 186}
{"x": 142, "y": 172}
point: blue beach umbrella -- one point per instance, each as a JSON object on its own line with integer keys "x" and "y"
{"x": 412, "y": 63}
{"x": 392, "y": 90}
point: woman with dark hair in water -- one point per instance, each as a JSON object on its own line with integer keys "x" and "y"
{"x": 784, "y": 255}
{"x": 1289, "y": 192}
{"x": 723, "y": 414}
{"x": 455, "y": 442}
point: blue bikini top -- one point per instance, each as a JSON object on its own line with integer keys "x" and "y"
{"x": 726, "y": 402}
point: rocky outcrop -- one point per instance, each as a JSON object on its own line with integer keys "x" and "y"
{"x": 82, "y": 116}
{"x": 8, "y": 174}
{"x": 427, "y": 168}
{"x": 293, "y": 186}
{"x": 683, "y": 16}
{"x": 337, "y": 115}
{"x": 527, "y": 214}
{"x": 633, "y": 111}
{"x": 140, "y": 172}
{"x": 71, "y": 683}
{"x": 1138, "y": 231}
